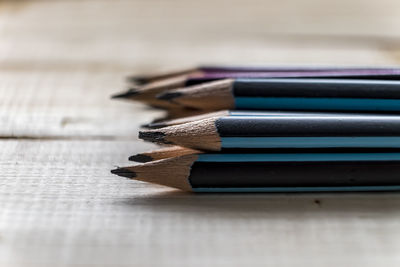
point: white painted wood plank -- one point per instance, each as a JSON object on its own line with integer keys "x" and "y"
{"x": 60, "y": 206}
{"x": 68, "y": 104}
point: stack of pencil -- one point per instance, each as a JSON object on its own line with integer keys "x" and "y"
{"x": 283, "y": 129}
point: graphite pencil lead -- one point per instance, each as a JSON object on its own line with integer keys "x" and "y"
{"x": 124, "y": 172}
{"x": 154, "y": 125}
{"x": 169, "y": 95}
{"x": 145, "y": 97}
{"x": 131, "y": 92}
{"x": 163, "y": 153}
{"x": 142, "y": 158}
{"x": 150, "y": 125}
{"x": 156, "y": 137}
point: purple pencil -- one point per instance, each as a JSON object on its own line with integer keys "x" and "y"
{"x": 237, "y": 71}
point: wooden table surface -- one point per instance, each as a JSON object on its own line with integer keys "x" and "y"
{"x": 60, "y": 135}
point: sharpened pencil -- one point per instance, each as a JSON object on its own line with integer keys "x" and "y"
{"x": 165, "y": 123}
{"x": 369, "y": 131}
{"x": 285, "y": 172}
{"x": 290, "y": 94}
{"x": 147, "y": 92}
{"x": 203, "y": 71}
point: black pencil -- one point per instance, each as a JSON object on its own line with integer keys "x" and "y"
{"x": 147, "y": 92}
{"x": 177, "y": 151}
{"x": 290, "y": 172}
{"x": 290, "y": 94}
{"x": 218, "y": 72}
{"x": 369, "y": 131}
{"x": 181, "y": 120}
{"x": 143, "y": 79}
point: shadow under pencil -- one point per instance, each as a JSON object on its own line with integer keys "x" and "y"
{"x": 266, "y": 205}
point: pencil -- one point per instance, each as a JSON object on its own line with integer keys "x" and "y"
{"x": 163, "y": 153}
{"x": 286, "y": 172}
{"x": 205, "y": 70}
{"x": 370, "y": 131}
{"x": 290, "y": 94}
{"x": 148, "y": 91}
{"x": 177, "y": 151}
{"x": 165, "y": 123}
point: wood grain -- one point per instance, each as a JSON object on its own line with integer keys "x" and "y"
{"x": 61, "y": 207}
{"x": 60, "y": 134}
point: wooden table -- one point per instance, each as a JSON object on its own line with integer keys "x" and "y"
{"x": 60, "y": 135}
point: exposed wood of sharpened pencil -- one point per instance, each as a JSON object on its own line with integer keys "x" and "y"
{"x": 214, "y": 95}
{"x": 199, "y": 134}
{"x": 156, "y": 87}
{"x": 172, "y": 172}
{"x": 163, "y": 153}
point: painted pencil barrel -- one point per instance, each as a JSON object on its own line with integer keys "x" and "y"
{"x": 317, "y": 94}
{"x": 309, "y": 132}
{"x": 215, "y": 68}
{"x": 305, "y": 126}
{"x": 252, "y": 113}
{"x": 310, "y": 142}
{"x": 294, "y": 174}
{"x": 361, "y": 74}
{"x": 320, "y": 88}
{"x": 298, "y": 189}
{"x": 318, "y": 103}
{"x": 254, "y": 156}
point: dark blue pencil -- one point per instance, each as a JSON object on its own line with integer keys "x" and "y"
{"x": 273, "y": 172}
{"x": 368, "y": 131}
{"x": 290, "y": 94}
{"x": 164, "y": 123}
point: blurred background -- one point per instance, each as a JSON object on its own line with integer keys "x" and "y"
{"x": 147, "y": 35}
{"x": 60, "y": 134}
{"x": 68, "y": 56}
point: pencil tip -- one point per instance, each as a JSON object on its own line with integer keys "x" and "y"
{"x": 124, "y": 172}
{"x": 169, "y": 95}
{"x": 146, "y": 125}
{"x": 140, "y": 158}
{"x": 127, "y": 94}
{"x": 157, "y": 137}
{"x": 154, "y": 125}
